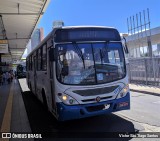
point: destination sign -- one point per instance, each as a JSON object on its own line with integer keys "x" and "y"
{"x": 87, "y": 34}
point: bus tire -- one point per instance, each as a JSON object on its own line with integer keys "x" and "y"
{"x": 44, "y": 100}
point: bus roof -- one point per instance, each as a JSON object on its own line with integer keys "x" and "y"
{"x": 67, "y": 27}
{"x": 88, "y": 26}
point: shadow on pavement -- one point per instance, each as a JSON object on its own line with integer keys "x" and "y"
{"x": 42, "y": 121}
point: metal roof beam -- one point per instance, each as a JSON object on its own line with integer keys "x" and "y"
{"x": 17, "y": 48}
{"x": 22, "y": 13}
{"x": 19, "y": 38}
{"x": 36, "y": 2}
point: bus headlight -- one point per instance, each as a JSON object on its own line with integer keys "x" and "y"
{"x": 123, "y": 92}
{"x": 66, "y": 99}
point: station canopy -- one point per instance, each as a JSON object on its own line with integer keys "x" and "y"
{"x": 18, "y": 19}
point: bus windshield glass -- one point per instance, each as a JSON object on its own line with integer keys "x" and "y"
{"x": 90, "y": 63}
{"x": 21, "y": 68}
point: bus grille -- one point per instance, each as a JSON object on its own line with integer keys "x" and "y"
{"x": 97, "y": 91}
{"x": 95, "y": 108}
{"x": 102, "y": 98}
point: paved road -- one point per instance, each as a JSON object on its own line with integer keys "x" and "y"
{"x": 143, "y": 116}
{"x": 42, "y": 121}
{"x": 144, "y": 110}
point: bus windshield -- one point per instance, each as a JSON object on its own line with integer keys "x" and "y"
{"x": 90, "y": 63}
{"x": 21, "y": 68}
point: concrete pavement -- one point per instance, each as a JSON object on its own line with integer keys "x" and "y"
{"x": 152, "y": 90}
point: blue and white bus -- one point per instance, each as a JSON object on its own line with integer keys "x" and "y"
{"x": 21, "y": 70}
{"x": 80, "y": 71}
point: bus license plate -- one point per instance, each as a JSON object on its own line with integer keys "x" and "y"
{"x": 123, "y": 104}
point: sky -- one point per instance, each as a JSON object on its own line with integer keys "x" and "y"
{"x": 113, "y": 13}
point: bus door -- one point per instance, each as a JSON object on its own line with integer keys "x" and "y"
{"x": 51, "y": 78}
{"x": 35, "y": 75}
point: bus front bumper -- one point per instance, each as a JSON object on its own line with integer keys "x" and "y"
{"x": 69, "y": 112}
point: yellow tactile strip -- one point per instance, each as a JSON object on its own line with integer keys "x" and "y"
{"x": 7, "y": 114}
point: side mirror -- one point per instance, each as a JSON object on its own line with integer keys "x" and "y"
{"x": 52, "y": 54}
{"x": 125, "y": 46}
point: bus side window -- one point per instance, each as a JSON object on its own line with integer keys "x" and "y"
{"x": 31, "y": 62}
{"x": 39, "y": 59}
{"x": 27, "y": 64}
{"x": 44, "y": 58}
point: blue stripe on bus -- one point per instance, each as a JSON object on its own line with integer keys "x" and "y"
{"x": 68, "y": 112}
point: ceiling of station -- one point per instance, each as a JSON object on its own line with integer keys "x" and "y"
{"x": 18, "y": 19}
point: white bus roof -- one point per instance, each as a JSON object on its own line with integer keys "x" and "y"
{"x": 67, "y": 27}
{"x": 86, "y": 26}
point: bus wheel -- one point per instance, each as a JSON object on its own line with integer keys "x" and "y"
{"x": 44, "y": 100}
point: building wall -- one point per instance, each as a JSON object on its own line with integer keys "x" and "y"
{"x": 138, "y": 44}
{"x": 37, "y": 37}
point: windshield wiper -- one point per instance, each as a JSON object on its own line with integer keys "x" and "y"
{"x": 105, "y": 51}
{"x": 79, "y": 52}
{"x": 100, "y": 52}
